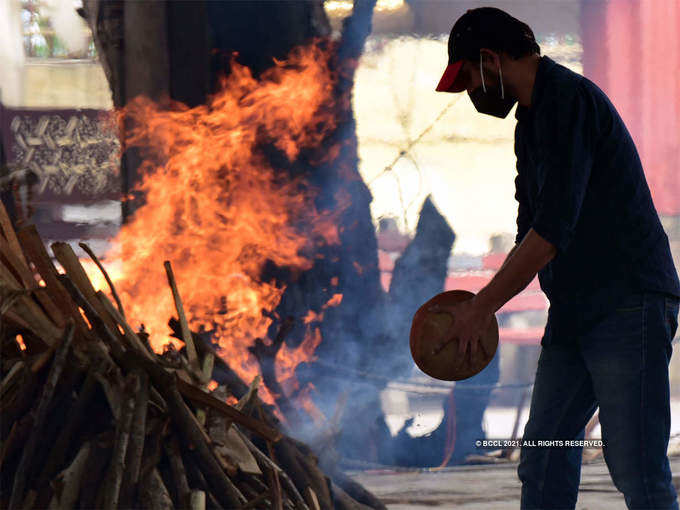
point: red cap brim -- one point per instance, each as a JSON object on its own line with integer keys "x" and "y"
{"x": 447, "y": 83}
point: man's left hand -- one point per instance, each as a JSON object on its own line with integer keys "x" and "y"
{"x": 470, "y": 322}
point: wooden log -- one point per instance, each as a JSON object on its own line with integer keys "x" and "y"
{"x": 7, "y": 231}
{"x": 76, "y": 416}
{"x": 186, "y": 332}
{"x": 355, "y": 490}
{"x": 114, "y": 476}
{"x": 22, "y": 472}
{"x": 35, "y": 252}
{"x": 10, "y": 380}
{"x": 153, "y": 448}
{"x": 191, "y": 431}
{"x": 276, "y": 493}
{"x": 200, "y": 397}
{"x": 98, "y": 324}
{"x": 130, "y": 335}
{"x": 133, "y": 460}
{"x": 266, "y": 357}
{"x": 17, "y": 403}
{"x": 197, "y": 500}
{"x": 95, "y": 469}
{"x": 19, "y": 300}
{"x": 153, "y": 494}
{"x": 198, "y": 482}
{"x": 256, "y": 501}
{"x": 227, "y": 443}
{"x": 28, "y": 281}
{"x": 18, "y": 435}
{"x": 73, "y": 268}
{"x": 310, "y": 496}
{"x": 67, "y": 484}
{"x": 317, "y": 480}
{"x": 182, "y": 491}
{"x": 266, "y": 463}
{"x": 99, "y": 265}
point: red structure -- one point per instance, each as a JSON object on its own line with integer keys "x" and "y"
{"x": 631, "y": 50}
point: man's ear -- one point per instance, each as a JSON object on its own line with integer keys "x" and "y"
{"x": 490, "y": 58}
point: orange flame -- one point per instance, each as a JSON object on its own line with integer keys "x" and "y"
{"x": 20, "y": 342}
{"x": 218, "y": 211}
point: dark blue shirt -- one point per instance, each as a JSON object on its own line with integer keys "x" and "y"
{"x": 580, "y": 185}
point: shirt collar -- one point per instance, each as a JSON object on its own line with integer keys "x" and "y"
{"x": 544, "y": 65}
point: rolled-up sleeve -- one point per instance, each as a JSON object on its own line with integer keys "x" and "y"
{"x": 564, "y": 167}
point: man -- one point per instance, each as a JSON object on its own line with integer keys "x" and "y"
{"x": 587, "y": 225}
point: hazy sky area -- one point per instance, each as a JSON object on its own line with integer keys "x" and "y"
{"x": 464, "y": 159}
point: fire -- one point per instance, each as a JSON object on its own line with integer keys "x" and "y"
{"x": 20, "y": 342}
{"x": 218, "y": 211}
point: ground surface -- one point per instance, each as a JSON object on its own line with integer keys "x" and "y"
{"x": 488, "y": 487}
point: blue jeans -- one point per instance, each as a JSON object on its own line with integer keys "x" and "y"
{"x": 621, "y": 364}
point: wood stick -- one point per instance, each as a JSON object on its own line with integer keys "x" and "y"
{"x": 153, "y": 494}
{"x": 266, "y": 357}
{"x": 133, "y": 461}
{"x": 191, "y": 432}
{"x": 20, "y": 431}
{"x": 179, "y": 475}
{"x": 20, "y": 302}
{"x": 197, "y": 480}
{"x": 36, "y": 253}
{"x": 186, "y": 332}
{"x": 207, "y": 367}
{"x": 75, "y": 417}
{"x": 197, "y": 500}
{"x": 310, "y": 496}
{"x": 275, "y": 484}
{"x": 67, "y": 486}
{"x": 19, "y": 266}
{"x": 130, "y": 334}
{"x": 97, "y": 461}
{"x": 8, "y": 232}
{"x": 95, "y": 319}
{"x": 18, "y": 403}
{"x": 266, "y": 463}
{"x": 253, "y": 503}
{"x": 11, "y": 377}
{"x": 317, "y": 480}
{"x": 199, "y": 396}
{"x": 22, "y": 472}
{"x": 355, "y": 490}
{"x": 153, "y": 448}
{"x": 71, "y": 264}
{"x": 114, "y": 476}
{"x": 112, "y": 287}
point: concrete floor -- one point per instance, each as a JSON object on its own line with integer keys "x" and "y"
{"x": 485, "y": 487}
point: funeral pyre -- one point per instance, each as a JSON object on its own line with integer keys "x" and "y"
{"x": 94, "y": 417}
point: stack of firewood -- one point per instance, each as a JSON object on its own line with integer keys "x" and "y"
{"x": 92, "y": 417}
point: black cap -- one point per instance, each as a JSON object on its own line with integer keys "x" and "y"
{"x": 483, "y": 27}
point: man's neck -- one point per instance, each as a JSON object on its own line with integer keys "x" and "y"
{"x": 524, "y": 78}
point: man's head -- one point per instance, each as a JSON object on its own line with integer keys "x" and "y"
{"x": 484, "y": 42}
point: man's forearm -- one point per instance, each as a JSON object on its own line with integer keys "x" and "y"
{"x": 505, "y": 262}
{"x": 519, "y": 268}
